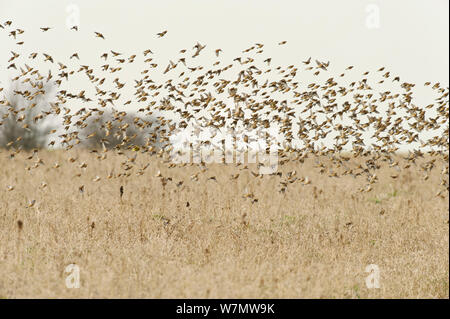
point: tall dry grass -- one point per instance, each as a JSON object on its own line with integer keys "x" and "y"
{"x": 204, "y": 240}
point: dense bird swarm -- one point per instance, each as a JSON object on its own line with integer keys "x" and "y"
{"x": 339, "y": 122}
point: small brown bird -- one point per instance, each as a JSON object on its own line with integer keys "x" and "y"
{"x": 99, "y": 35}
{"x": 47, "y": 57}
{"x": 45, "y": 29}
{"x": 147, "y": 52}
{"x": 161, "y": 34}
{"x": 31, "y": 203}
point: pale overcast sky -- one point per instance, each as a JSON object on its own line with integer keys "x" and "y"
{"x": 412, "y": 38}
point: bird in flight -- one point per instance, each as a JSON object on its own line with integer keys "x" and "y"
{"x": 147, "y": 52}
{"x": 161, "y": 34}
{"x": 99, "y": 35}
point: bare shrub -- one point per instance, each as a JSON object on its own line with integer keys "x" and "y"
{"x": 24, "y": 117}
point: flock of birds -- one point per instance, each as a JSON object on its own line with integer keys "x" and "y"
{"x": 349, "y": 129}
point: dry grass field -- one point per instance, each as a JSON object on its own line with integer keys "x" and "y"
{"x": 202, "y": 239}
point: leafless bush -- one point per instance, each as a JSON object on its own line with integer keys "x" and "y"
{"x": 115, "y": 129}
{"x": 24, "y": 117}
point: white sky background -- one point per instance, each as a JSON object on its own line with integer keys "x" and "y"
{"x": 412, "y": 40}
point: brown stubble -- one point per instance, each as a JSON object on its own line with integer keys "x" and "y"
{"x": 311, "y": 241}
